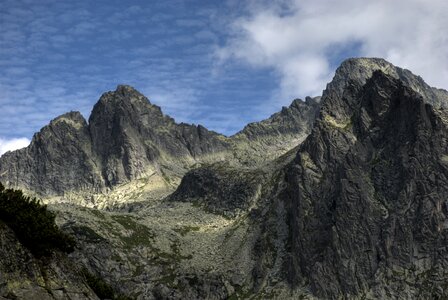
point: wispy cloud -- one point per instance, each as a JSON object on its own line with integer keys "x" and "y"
{"x": 12, "y": 144}
{"x": 58, "y": 56}
{"x": 304, "y": 40}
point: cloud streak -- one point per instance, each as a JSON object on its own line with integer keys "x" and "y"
{"x": 304, "y": 40}
{"x": 58, "y": 56}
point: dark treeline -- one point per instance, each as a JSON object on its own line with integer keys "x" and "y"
{"x": 33, "y": 224}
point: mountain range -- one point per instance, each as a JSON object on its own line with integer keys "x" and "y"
{"x": 341, "y": 196}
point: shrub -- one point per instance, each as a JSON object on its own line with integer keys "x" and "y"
{"x": 32, "y": 223}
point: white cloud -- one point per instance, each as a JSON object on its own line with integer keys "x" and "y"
{"x": 300, "y": 39}
{"x": 12, "y": 144}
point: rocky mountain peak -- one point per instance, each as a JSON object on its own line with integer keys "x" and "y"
{"x": 124, "y": 90}
{"x": 74, "y": 119}
{"x": 369, "y": 172}
{"x": 356, "y": 71}
{"x": 296, "y": 103}
{"x": 297, "y": 117}
{"x": 126, "y": 103}
{"x": 123, "y": 93}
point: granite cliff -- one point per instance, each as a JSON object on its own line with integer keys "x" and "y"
{"x": 363, "y": 200}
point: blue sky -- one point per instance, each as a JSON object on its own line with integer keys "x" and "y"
{"x": 217, "y": 63}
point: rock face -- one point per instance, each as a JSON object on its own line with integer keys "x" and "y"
{"x": 129, "y": 134}
{"x": 24, "y": 277}
{"x": 221, "y": 189}
{"x": 59, "y": 159}
{"x": 264, "y": 141}
{"x": 365, "y": 196}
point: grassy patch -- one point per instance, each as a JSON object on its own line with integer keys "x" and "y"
{"x": 186, "y": 229}
{"x": 140, "y": 236}
{"x": 240, "y": 293}
{"x": 345, "y": 125}
{"x": 88, "y": 233}
{"x": 97, "y": 214}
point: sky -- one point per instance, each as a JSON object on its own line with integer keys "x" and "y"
{"x": 219, "y": 63}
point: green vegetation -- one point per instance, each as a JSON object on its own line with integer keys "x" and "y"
{"x": 88, "y": 233}
{"x": 186, "y": 229}
{"x": 101, "y": 288}
{"x": 240, "y": 293}
{"x": 32, "y": 223}
{"x": 140, "y": 236}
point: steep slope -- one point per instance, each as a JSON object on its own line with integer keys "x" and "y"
{"x": 59, "y": 159}
{"x": 264, "y": 141}
{"x": 129, "y": 134}
{"x": 364, "y": 199}
{"x": 359, "y": 209}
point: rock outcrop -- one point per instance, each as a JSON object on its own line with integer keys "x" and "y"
{"x": 222, "y": 189}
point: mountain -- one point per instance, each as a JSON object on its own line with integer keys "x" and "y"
{"x": 336, "y": 197}
{"x": 359, "y": 210}
{"x": 363, "y": 201}
{"x": 126, "y": 138}
{"x": 129, "y": 143}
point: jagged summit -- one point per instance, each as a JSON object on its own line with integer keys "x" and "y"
{"x": 73, "y": 118}
{"x": 358, "y": 70}
{"x": 124, "y": 91}
{"x": 71, "y": 115}
{"x": 127, "y": 138}
{"x": 125, "y": 100}
{"x": 298, "y": 116}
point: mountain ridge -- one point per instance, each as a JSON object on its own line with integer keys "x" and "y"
{"x": 126, "y": 138}
{"x": 345, "y": 199}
